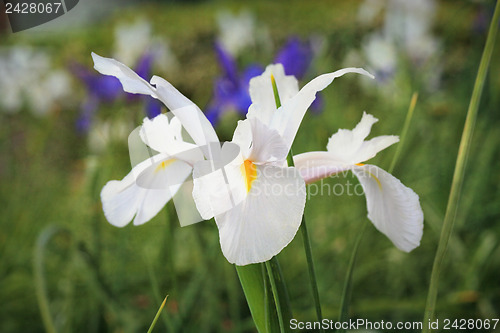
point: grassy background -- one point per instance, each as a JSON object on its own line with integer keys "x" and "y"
{"x": 98, "y": 278}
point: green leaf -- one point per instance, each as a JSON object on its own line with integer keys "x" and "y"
{"x": 252, "y": 282}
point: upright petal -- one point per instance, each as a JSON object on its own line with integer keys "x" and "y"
{"x": 262, "y": 94}
{"x": 393, "y": 208}
{"x": 349, "y": 146}
{"x": 258, "y": 142}
{"x": 165, "y": 136}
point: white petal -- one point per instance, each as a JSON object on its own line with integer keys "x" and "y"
{"x": 267, "y": 220}
{"x": 120, "y": 200}
{"x": 130, "y": 81}
{"x": 351, "y": 138}
{"x": 258, "y": 142}
{"x": 162, "y": 180}
{"x": 348, "y": 146}
{"x": 194, "y": 121}
{"x": 165, "y": 137}
{"x": 317, "y": 165}
{"x": 191, "y": 117}
{"x": 262, "y": 92}
{"x": 217, "y": 184}
{"x": 287, "y": 119}
{"x": 393, "y": 208}
{"x": 144, "y": 191}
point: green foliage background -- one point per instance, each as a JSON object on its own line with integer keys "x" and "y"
{"x": 98, "y": 278}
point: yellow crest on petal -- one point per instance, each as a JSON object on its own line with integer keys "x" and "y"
{"x": 164, "y": 164}
{"x": 249, "y": 173}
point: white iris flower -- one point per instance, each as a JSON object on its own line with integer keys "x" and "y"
{"x": 393, "y": 208}
{"x": 256, "y": 200}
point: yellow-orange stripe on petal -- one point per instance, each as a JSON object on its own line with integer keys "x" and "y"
{"x": 249, "y": 173}
{"x": 164, "y": 164}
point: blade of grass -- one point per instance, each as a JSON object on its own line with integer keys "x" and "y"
{"x": 156, "y": 292}
{"x": 39, "y": 276}
{"x": 346, "y": 292}
{"x": 458, "y": 175}
{"x": 404, "y": 132}
{"x": 157, "y": 315}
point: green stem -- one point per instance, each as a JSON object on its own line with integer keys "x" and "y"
{"x": 458, "y": 176}
{"x": 277, "y": 300}
{"x": 303, "y": 228}
{"x": 309, "y": 257}
{"x": 310, "y": 267}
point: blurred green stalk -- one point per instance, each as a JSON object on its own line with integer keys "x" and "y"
{"x": 458, "y": 176}
{"x": 404, "y": 132}
{"x": 39, "y": 276}
{"x": 157, "y": 315}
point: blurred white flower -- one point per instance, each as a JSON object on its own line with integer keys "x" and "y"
{"x": 369, "y": 10}
{"x": 406, "y": 33}
{"x": 28, "y": 79}
{"x": 132, "y": 41}
{"x": 104, "y": 133}
{"x": 236, "y": 31}
{"x": 409, "y": 25}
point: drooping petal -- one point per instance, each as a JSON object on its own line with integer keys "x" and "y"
{"x": 293, "y": 110}
{"x": 260, "y": 226}
{"x": 393, "y": 208}
{"x": 348, "y": 146}
{"x": 144, "y": 191}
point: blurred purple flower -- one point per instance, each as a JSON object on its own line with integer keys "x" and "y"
{"x": 231, "y": 89}
{"x": 108, "y": 89}
{"x": 296, "y": 57}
